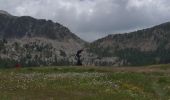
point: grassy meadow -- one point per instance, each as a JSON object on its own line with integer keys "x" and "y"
{"x": 86, "y": 83}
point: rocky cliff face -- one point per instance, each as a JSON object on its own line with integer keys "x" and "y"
{"x": 36, "y": 42}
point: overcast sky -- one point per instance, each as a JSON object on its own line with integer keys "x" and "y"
{"x": 93, "y": 19}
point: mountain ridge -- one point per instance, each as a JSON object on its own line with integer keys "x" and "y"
{"x": 139, "y": 45}
{"x": 33, "y": 27}
{"x": 36, "y": 42}
{"x": 40, "y": 42}
{"x": 5, "y": 13}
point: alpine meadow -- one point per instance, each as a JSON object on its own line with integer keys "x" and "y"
{"x": 84, "y": 50}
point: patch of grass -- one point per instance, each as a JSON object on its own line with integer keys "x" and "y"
{"x": 82, "y": 83}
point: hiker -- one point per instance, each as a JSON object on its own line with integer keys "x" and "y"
{"x": 79, "y": 62}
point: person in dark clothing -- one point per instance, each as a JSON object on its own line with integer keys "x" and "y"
{"x": 78, "y": 55}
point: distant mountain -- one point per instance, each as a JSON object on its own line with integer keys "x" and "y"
{"x": 143, "y": 47}
{"x": 36, "y": 42}
{"x": 4, "y": 13}
{"x": 19, "y": 27}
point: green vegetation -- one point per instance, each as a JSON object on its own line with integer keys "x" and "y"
{"x": 7, "y": 63}
{"x": 86, "y": 83}
{"x": 137, "y": 58}
{"x": 134, "y": 57}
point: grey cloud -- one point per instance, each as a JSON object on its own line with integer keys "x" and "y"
{"x": 92, "y": 19}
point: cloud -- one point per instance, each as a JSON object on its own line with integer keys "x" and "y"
{"x": 92, "y": 19}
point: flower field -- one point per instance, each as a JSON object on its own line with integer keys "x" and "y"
{"x": 86, "y": 83}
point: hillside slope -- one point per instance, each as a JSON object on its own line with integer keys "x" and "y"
{"x": 36, "y": 42}
{"x": 148, "y": 46}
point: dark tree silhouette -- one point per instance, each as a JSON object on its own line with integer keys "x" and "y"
{"x": 78, "y": 55}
